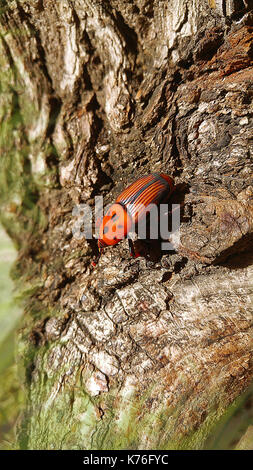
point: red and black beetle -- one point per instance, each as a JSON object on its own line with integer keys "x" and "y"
{"x": 129, "y": 208}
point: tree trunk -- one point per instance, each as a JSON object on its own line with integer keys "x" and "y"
{"x": 137, "y": 353}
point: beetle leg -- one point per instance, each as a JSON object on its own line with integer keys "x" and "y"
{"x": 132, "y": 250}
{"x": 131, "y": 247}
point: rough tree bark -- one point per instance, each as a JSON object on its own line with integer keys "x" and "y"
{"x": 144, "y": 353}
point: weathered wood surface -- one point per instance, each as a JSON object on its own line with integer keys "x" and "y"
{"x": 136, "y": 353}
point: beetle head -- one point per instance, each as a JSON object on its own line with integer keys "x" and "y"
{"x": 114, "y": 227}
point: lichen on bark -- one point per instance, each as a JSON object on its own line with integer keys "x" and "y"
{"x": 150, "y": 352}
